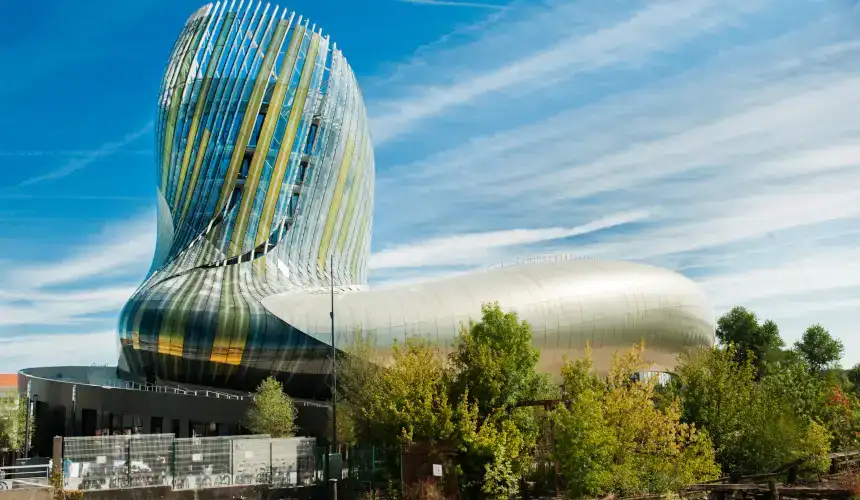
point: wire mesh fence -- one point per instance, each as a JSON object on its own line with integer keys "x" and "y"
{"x": 110, "y": 462}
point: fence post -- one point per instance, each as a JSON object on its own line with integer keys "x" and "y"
{"x": 128, "y": 462}
{"x": 271, "y": 467}
{"x": 173, "y": 462}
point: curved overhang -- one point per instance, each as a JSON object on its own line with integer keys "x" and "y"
{"x": 568, "y": 304}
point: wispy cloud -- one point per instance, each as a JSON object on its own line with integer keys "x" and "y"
{"x": 87, "y": 158}
{"x": 32, "y": 153}
{"x": 52, "y": 349}
{"x": 123, "y": 248}
{"x": 736, "y": 132}
{"x": 87, "y": 288}
{"x": 622, "y": 41}
{"x": 476, "y": 248}
{"x": 454, "y": 3}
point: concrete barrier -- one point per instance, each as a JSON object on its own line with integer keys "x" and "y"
{"x": 28, "y": 494}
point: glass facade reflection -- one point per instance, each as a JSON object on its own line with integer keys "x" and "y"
{"x": 265, "y": 184}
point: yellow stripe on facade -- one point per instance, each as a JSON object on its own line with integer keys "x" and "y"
{"x": 270, "y": 122}
{"x": 195, "y": 173}
{"x": 287, "y": 142}
{"x": 173, "y": 113}
{"x": 260, "y": 85}
{"x": 334, "y": 207}
{"x": 359, "y": 248}
{"x": 345, "y": 225}
{"x": 198, "y": 110}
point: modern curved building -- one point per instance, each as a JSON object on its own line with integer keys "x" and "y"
{"x": 265, "y": 188}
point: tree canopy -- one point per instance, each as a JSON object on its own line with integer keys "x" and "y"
{"x": 13, "y": 421}
{"x": 272, "y": 411}
{"x": 741, "y": 328}
{"x": 819, "y": 348}
{"x": 613, "y": 439}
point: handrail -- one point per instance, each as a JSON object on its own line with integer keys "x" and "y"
{"x": 551, "y": 257}
{"x": 97, "y": 381}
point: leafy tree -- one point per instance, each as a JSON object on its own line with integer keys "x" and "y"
{"x": 819, "y": 348}
{"x": 853, "y": 377}
{"x": 755, "y": 427}
{"x": 272, "y": 411}
{"x": 494, "y": 367}
{"x": 613, "y": 439}
{"x": 13, "y": 421}
{"x": 794, "y": 383}
{"x": 408, "y": 401}
{"x": 358, "y": 369}
{"x": 741, "y": 328}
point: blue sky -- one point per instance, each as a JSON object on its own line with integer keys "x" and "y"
{"x": 718, "y": 138}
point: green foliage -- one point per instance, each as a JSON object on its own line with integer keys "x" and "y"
{"x": 494, "y": 367}
{"x": 755, "y": 426}
{"x": 408, "y": 401}
{"x": 272, "y": 411}
{"x": 613, "y": 438}
{"x": 740, "y": 327}
{"x": 358, "y": 369}
{"x": 819, "y": 348}
{"x": 794, "y": 383}
{"x": 495, "y": 361}
{"x": 853, "y": 376}
{"x": 13, "y": 421}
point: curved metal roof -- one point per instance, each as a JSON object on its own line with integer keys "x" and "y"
{"x": 610, "y": 304}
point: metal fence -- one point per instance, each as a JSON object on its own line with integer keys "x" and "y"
{"x": 110, "y": 462}
{"x": 24, "y": 476}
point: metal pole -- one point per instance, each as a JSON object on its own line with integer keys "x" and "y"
{"x": 74, "y": 409}
{"x": 334, "y": 381}
{"x": 27, "y": 423}
{"x": 333, "y": 366}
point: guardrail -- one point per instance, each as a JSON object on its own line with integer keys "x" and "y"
{"x": 137, "y": 386}
{"x": 24, "y": 476}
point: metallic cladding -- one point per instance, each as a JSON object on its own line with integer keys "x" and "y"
{"x": 568, "y": 303}
{"x": 265, "y": 190}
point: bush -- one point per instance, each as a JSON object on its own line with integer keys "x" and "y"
{"x": 272, "y": 412}
{"x": 614, "y": 439}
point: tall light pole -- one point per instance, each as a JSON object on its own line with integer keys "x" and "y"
{"x": 29, "y": 410}
{"x": 334, "y": 454}
{"x": 333, "y": 366}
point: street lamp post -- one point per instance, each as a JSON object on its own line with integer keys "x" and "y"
{"x": 27, "y": 423}
{"x": 333, "y": 454}
{"x": 333, "y": 366}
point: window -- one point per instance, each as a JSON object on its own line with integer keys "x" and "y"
{"x": 258, "y": 129}
{"x": 155, "y": 425}
{"x": 303, "y": 172}
{"x": 312, "y": 135}
{"x": 245, "y": 168}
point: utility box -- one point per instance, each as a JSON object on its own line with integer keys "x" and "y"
{"x": 335, "y": 467}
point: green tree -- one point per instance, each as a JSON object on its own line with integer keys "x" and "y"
{"x": 755, "y": 426}
{"x": 408, "y": 401}
{"x": 613, "y": 439}
{"x": 741, "y": 328}
{"x": 13, "y": 421}
{"x": 853, "y": 376}
{"x": 794, "y": 383}
{"x": 494, "y": 367}
{"x": 359, "y": 369}
{"x": 272, "y": 411}
{"x": 819, "y": 348}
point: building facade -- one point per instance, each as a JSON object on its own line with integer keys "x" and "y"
{"x": 265, "y": 188}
